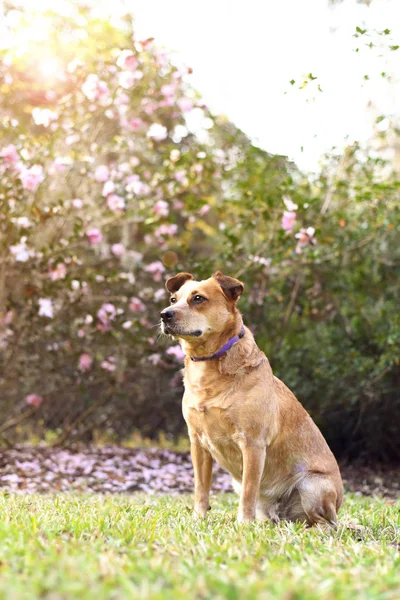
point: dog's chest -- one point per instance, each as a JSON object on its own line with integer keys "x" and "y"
{"x": 218, "y": 434}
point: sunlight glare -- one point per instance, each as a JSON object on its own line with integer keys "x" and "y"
{"x": 50, "y": 67}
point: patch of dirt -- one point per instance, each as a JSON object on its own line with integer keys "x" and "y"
{"x": 124, "y": 470}
{"x": 368, "y": 481}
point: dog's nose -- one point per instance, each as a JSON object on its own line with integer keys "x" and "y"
{"x": 167, "y": 315}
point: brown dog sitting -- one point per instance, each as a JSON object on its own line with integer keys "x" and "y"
{"x": 240, "y": 414}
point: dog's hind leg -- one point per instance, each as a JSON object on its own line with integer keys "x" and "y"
{"x": 319, "y": 499}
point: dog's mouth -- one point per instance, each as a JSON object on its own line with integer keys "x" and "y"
{"x": 177, "y": 332}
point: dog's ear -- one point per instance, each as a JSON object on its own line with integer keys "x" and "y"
{"x": 173, "y": 284}
{"x": 232, "y": 288}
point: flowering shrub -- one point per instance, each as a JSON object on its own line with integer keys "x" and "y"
{"x": 114, "y": 175}
{"x": 101, "y": 181}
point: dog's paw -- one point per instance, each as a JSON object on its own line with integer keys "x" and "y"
{"x": 242, "y": 518}
{"x": 200, "y": 512}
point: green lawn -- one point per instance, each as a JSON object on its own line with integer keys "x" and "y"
{"x": 92, "y": 546}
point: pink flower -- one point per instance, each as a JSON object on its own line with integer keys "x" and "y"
{"x": 174, "y": 155}
{"x": 305, "y": 237}
{"x": 94, "y": 235}
{"x": 127, "y": 60}
{"x": 43, "y": 116}
{"x": 185, "y": 104}
{"x": 72, "y": 139}
{"x": 106, "y": 313}
{"x": 289, "y": 204}
{"x": 20, "y": 251}
{"x": 118, "y": 250}
{"x": 204, "y": 210}
{"x": 46, "y": 308}
{"x": 149, "y": 107}
{"x": 161, "y": 208}
{"x": 60, "y": 165}
{"x": 162, "y": 57}
{"x": 136, "y": 186}
{"x": 260, "y": 260}
{"x": 135, "y": 124}
{"x": 32, "y": 177}
{"x": 95, "y": 89}
{"x": 6, "y": 319}
{"x": 136, "y": 305}
{"x": 121, "y": 99}
{"x": 108, "y": 188}
{"x": 9, "y": 154}
{"x": 177, "y": 352}
{"x": 77, "y": 203}
{"x": 124, "y": 168}
{"x": 156, "y": 269}
{"x": 154, "y": 359}
{"x": 166, "y": 229}
{"x": 59, "y": 272}
{"x": 157, "y": 132}
{"x": 126, "y": 79}
{"x": 115, "y": 203}
{"x": 101, "y": 173}
{"x": 168, "y": 101}
{"x": 34, "y": 400}
{"x": 109, "y": 364}
{"x": 85, "y": 362}
{"x": 168, "y": 90}
{"x": 159, "y": 295}
{"x": 22, "y": 222}
{"x": 288, "y": 220}
{"x": 180, "y": 176}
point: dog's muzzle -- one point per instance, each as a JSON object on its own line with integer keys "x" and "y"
{"x": 171, "y": 327}
{"x": 167, "y": 315}
{"x": 168, "y": 323}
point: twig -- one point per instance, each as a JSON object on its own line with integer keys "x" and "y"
{"x": 260, "y": 249}
{"x": 293, "y": 297}
{"x": 63, "y": 438}
{"x": 6, "y": 441}
{"x": 333, "y": 185}
{"x": 17, "y": 420}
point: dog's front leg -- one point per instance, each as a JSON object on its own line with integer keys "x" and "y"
{"x": 253, "y": 466}
{"x": 202, "y": 466}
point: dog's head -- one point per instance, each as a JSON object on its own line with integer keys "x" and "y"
{"x": 200, "y": 308}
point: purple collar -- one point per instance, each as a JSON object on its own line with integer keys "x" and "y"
{"x": 222, "y": 350}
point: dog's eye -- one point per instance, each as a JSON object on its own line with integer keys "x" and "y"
{"x": 198, "y": 299}
{"x": 173, "y": 300}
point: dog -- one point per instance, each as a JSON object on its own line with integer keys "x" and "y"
{"x": 238, "y": 413}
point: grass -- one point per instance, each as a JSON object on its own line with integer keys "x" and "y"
{"x": 149, "y": 547}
